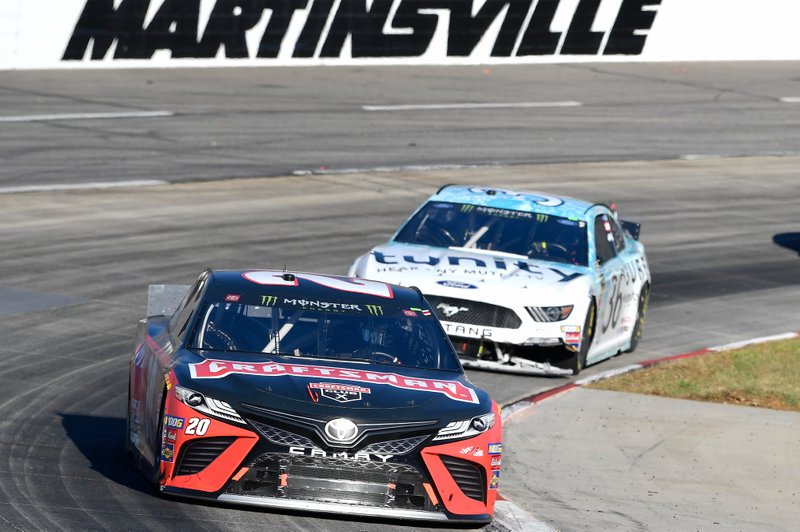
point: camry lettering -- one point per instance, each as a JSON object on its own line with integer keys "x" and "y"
{"x": 315, "y": 452}
{"x": 217, "y": 369}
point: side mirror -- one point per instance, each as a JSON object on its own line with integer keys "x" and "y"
{"x": 632, "y": 229}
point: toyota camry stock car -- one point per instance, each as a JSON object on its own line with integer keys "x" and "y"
{"x": 310, "y": 392}
{"x": 523, "y": 282}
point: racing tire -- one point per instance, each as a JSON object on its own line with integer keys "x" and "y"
{"x": 155, "y": 474}
{"x": 577, "y": 361}
{"x": 131, "y": 456}
{"x": 641, "y": 312}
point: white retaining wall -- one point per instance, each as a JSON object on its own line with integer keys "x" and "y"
{"x": 46, "y": 34}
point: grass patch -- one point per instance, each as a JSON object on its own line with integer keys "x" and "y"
{"x": 763, "y": 375}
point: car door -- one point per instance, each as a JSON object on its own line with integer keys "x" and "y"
{"x": 613, "y": 285}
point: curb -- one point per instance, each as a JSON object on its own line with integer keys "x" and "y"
{"x": 523, "y": 404}
{"x": 509, "y": 516}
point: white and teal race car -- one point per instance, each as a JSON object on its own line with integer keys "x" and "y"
{"x": 522, "y": 282}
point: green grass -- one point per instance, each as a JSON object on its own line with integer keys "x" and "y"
{"x": 763, "y": 375}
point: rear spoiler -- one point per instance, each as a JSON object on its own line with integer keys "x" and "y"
{"x": 163, "y": 299}
{"x": 631, "y": 228}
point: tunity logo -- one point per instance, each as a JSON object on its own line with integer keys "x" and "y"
{"x": 450, "y": 310}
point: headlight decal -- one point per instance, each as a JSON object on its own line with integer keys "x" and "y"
{"x": 550, "y": 314}
{"x": 207, "y": 405}
{"x": 466, "y": 428}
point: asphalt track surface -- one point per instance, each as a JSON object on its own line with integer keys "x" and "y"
{"x": 722, "y": 233}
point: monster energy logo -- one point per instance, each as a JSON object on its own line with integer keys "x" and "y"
{"x": 269, "y": 301}
{"x": 467, "y": 208}
{"x": 375, "y": 310}
{"x": 541, "y": 217}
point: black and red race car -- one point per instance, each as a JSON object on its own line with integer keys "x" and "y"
{"x": 311, "y": 392}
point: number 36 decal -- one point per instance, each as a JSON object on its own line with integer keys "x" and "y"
{"x": 197, "y": 426}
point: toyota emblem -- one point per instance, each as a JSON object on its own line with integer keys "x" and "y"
{"x": 341, "y": 430}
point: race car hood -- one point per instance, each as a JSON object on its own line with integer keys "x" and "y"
{"x": 331, "y": 388}
{"x": 430, "y": 269}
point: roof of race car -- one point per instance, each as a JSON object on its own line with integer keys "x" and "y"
{"x": 315, "y": 285}
{"x": 500, "y": 198}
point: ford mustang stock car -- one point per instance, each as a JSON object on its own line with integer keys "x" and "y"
{"x": 522, "y": 282}
{"x": 309, "y": 392}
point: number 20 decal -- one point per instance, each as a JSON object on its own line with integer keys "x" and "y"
{"x": 197, "y": 426}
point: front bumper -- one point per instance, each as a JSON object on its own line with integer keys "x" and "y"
{"x": 272, "y": 465}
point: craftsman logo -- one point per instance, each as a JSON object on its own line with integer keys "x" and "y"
{"x": 341, "y": 393}
{"x": 448, "y": 311}
{"x": 217, "y": 369}
{"x": 324, "y": 29}
{"x": 341, "y": 430}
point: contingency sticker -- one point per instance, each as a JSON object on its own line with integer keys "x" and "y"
{"x": 495, "y": 481}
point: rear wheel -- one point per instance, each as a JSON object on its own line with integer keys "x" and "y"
{"x": 577, "y": 361}
{"x": 638, "y": 326}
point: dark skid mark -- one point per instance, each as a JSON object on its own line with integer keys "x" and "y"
{"x": 715, "y": 281}
{"x": 13, "y": 301}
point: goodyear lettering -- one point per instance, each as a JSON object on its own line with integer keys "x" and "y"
{"x": 381, "y": 28}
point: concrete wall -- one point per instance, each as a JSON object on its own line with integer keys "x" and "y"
{"x": 37, "y": 34}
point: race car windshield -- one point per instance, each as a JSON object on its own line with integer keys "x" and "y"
{"x": 278, "y": 326}
{"x": 528, "y": 234}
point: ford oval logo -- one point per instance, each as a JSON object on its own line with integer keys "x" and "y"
{"x": 456, "y": 284}
{"x": 341, "y": 430}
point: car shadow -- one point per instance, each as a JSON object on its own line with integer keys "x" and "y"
{"x": 102, "y": 441}
{"x": 789, "y": 241}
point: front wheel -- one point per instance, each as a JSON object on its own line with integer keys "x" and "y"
{"x": 577, "y": 361}
{"x": 638, "y": 327}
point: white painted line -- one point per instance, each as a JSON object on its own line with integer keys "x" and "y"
{"x": 448, "y": 106}
{"x": 82, "y": 186}
{"x": 511, "y": 517}
{"x": 764, "y": 339}
{"x": 608, "y": 374}
{"x": 791, "y": 99}
{"x": 392, "y": 169}
{"x": 85, "y": 116}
